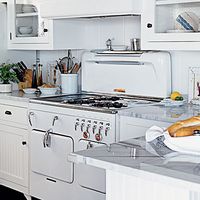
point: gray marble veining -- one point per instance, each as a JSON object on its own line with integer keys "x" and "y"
{"x": 162, "y": 113}
{"x": 174, "y": 165}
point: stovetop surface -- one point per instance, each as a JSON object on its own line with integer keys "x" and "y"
{"x": 99, "y": 101}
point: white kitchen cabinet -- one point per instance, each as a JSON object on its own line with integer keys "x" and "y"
{"x": 47, "y": 34}
{"x": 121, "y": 186}
{"x": 131, "y": 127}
{"x": 26, "y": 14}
{"x": 158, "y": 25}
{"x": 14, "y": 155}
{"x": 14, "y": 150}
{"x": 88, "y": 8}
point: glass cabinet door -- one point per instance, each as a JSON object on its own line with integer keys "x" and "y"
{"x": 171, "y": 20}
{"x": 26, "y": 25}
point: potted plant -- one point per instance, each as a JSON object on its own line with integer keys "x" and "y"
{"x": 7, "y": 75}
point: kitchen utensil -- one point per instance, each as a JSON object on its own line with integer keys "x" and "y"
{"x": 25, "y": 29}
{"x": 69, "y": 83}
{"x": 187, "y": 21}
{"x": 22, "y": 63}
{"x": 48, "y": 90}
{"x": 76, "y": 68}
{"x": 135, "y": 44}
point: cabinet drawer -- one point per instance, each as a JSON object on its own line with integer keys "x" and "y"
{"x": 13, "y": 114}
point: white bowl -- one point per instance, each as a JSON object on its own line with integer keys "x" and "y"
{"x": 25, "y": 29}
{"x": 28, "y": 9}
{"x": 48, "y": 90}
{"x": 29, "y": 90}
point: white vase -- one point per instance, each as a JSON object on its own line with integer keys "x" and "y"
{"x": 5, "y": 88}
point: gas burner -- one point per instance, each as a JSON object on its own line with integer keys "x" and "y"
{"x": 108, "y": 105}
{"x": 79, "y": 101}
{"x": 105, "y": 98}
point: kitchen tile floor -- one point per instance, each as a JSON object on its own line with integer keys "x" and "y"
{"x": 8, "y": 194}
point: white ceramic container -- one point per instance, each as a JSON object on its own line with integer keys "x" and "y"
{"x": 5, "y": 88}
{"x": 69, "y": 83}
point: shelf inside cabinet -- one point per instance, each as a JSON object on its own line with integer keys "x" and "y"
{"x": 169, "y": 2}
{"x": 27, "y": 14}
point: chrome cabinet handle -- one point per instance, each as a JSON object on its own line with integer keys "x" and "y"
{"x": 54, "y": 120}
{"x": 47, "y": 138}
{"x": 29, "y": 118}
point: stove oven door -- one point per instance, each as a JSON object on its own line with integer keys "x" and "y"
{"x": 49, "y": 153}
{"x": 89, "y": 177}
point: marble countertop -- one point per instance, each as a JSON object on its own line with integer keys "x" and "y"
{"x": 155, "y": 112}
{"x": 21, "y": 96}
{"x": 161, "y": 112}
{"x": 135, "y": 157}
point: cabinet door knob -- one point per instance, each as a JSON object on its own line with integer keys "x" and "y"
{"x": 24, "y": 143}
{"x": 45, "y": 30}
{"x": 7, "y": 112}
{"x": 149, "y": 25}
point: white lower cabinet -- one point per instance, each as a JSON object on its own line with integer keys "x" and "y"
{"x": 121, "y": 186}
{"x": 14, "y": 147}
{"x": 14, "y": 155}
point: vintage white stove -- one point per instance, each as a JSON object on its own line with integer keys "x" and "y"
{"x": 67, "y": 123}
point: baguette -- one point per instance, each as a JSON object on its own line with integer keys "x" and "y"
{"x": 193, "y": 121}
{"x": 186, "y": 131}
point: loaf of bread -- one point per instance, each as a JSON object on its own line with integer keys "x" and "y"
{"x": 186, "y": 131}
{"x": 184, "y": 127}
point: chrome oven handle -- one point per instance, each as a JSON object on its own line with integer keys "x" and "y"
{"x": 29, "y": 118}
{"x": 54, "y": 120}
{"x": 47, "y": 138}
{"x": 92, "y": 141}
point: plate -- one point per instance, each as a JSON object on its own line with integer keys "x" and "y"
{"x": 187, "y": 21}
{"x": 48, "y": 90}
{"x": 29, "y": 90}
{"x": 171, "y": 103}
{"x": 179, "y": 31}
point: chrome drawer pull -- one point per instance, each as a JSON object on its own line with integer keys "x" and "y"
{"x": 7, "y": 112}
{"x": 29, "y": 118}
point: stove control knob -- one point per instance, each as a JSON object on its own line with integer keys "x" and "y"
{"x": 76, "y": 125}
{"x": 82, "y": 126}
{"x": 106, "y": 130}
{"x": 86, "y": 135}
{"x": 94, "y": 128}
{"x": 88, "y": 128}
{"x": 98, "y": 137}
{"x": 100, "y": 129}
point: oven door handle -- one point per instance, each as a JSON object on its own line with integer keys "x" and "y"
{"x": 47, "y": 138}
{"x": 96, "y": 142}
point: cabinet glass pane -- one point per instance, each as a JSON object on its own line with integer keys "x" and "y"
{"x": 172, "y": 16}
{"x": 27, "y": 20}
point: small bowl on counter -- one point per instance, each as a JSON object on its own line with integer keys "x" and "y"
{"x": 49, "y": 91}
{"x": 29, "y": 90}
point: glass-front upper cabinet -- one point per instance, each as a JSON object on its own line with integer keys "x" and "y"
{"x": 171, "y": 23}
{"x": 25, "y": 26}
